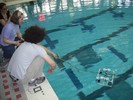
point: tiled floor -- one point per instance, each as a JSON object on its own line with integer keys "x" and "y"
{"x": 10, "y": 90}
{"x": 16, "y": 91}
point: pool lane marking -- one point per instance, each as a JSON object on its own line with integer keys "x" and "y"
{"x": 99, "y": 41}
{"x": 51, "y": 44}
{"x": 74, "y": 23}
{"x": 117, "y": 53}
{"x": 74, "y": 79}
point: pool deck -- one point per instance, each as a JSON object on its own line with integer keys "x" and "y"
{"x": 16, "y": 91}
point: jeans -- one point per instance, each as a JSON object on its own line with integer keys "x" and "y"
{"x": 8, "y": 51}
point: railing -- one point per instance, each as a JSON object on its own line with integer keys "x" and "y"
{"x": 13, "y": 2}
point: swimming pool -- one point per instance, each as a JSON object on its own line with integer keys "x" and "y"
{"x": 87, "y": 35}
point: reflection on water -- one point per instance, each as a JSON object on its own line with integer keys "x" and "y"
{"x": 48, "y": 7}
{"x": 88, "y": 57}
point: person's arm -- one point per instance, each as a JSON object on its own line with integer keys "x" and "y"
{"x": 51, "y": 62}
{"x": 6, "y": 40}
{"x": 3, "y": 22}
{"x": 19, "y": 35}
{"x": 50, "y": 52}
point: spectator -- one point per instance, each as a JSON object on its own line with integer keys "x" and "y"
{"x": 28, "y": 60}
{"x": 4, "y": 15}
{"x": 8, "y": 34}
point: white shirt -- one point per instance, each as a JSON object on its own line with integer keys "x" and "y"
{"x": 23, "y": 57}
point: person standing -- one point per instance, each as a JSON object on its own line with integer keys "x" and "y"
{"x": 4, "y": 15}
{"x": 9, "y": 33}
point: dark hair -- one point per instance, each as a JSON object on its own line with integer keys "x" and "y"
{"x": 16, "y": 16}
{"x": 2, "y": 5}
{"x": 34, "y": 34}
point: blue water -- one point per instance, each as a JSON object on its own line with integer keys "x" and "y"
{"x": 87, "y": 35}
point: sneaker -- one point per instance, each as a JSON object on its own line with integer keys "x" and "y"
{"x": 13, "y": 78}
{"x": 4, "y": 64}
{"x": 40, "y": 80}
{"x": 36, "y": 81}
{"x": 32, "y": 83}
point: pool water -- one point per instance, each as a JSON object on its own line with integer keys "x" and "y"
{"x": 87, "y": 35}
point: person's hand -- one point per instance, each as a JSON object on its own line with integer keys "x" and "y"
{"x": 17, "y": 43}
{"x": 55, "y": 55}
{"x": 22, "y": 39}
{"x": 50, "y": 70}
